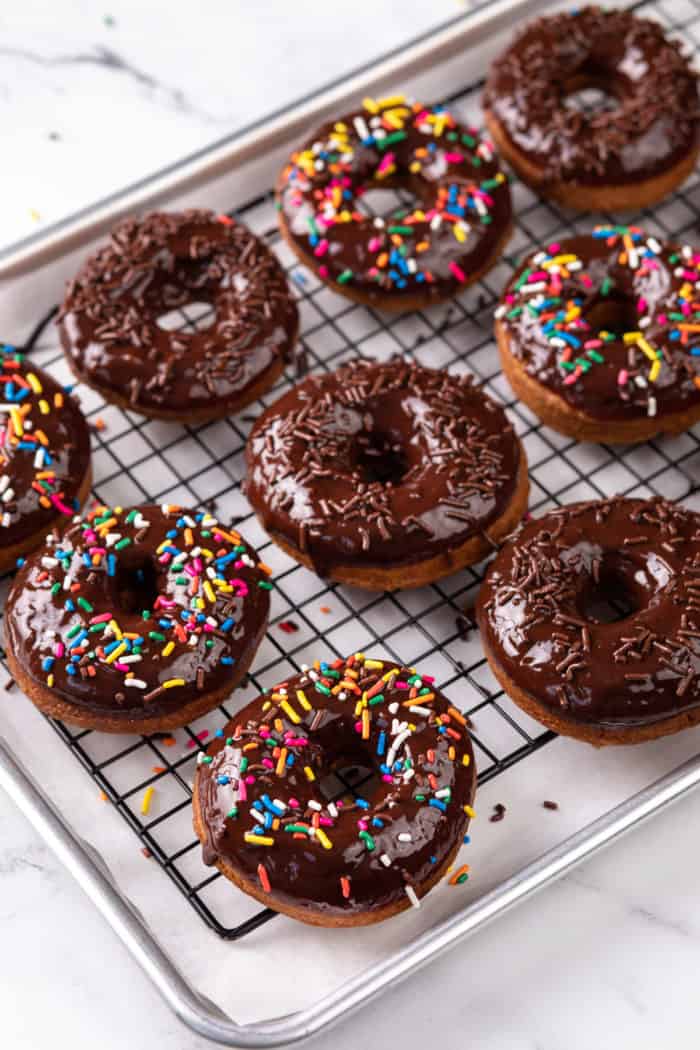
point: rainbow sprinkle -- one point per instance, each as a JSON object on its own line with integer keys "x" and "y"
{"x": 196, "y": 582}
{"x": 388, "y": 140}
{"x": 29, "y": 407}
{"x": 555, "y": 290}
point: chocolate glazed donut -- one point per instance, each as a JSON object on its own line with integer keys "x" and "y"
{"x": 420, "y": 254}
{"x": 629, "y": 155}
{"x": 109, "y": 320}
{"x": 386, "y": 475}
{"x": 590, "y": 619}
{"x": 45, "y": 472}
{"x": 136, "y": 620}
{"x": 261, "y": 793}
{"x": 600, "y": 335}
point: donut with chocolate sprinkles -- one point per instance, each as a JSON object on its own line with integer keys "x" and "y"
{"x": 590, "y": 619}
{"x": 273, "y": 817}
{"x": 136, "y": 620}
{"x": 116, "y": 321}
{"x": 630, "y": 151}
{"x": 416, "y": 255}
{"x": 386, "y": 475}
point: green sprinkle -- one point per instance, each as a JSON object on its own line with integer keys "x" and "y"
{"x": 74, "y": 630}
{"x": 379, "y": 699}
{"x": 232, "y": 813}
{"x": 85, "y": 604}
{"x": 265, "y": 585}
{"x": 368, "y": 840}
{"x": 56, "y": 588}
{"x": 396, "y": 136}
{"x": 297, "y": 827}
{"x": 122, "y": 543}
{"x": 320, "y": 688}
{"x": 345, "y": 276}
{"x": 156, "y": 636}
{"x": 243, "y": 765}
{"x": 400, "y": 229}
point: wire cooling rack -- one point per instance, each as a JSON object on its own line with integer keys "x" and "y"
{"x": 137, "y": 460}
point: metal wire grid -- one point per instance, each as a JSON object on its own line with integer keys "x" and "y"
{"x": 137, "y": 460}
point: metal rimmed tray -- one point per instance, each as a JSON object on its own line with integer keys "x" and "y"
{"x": 136, "y": 460}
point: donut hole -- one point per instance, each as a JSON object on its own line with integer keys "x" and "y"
{"x": 349, "y": 775}
{"x": 616, "y": 314}
{"x": 135, "y": 584}
{"x": 589, "y": 93}
{"x": 613, "y": 595}
{"x": 392, "y": 201}
{"x": 380, "y": 457}
{"x": 191, "y": 317}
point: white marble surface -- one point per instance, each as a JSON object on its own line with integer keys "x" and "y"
{"x": 608, "y": 957}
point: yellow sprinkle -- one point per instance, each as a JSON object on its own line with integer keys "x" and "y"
{"x": 466, "y": 759}
{"x": 116, "y": 628}
{"x": 459, "y": 233}
{"x": 374, "y": 665}
{"x": 34, "y": 382}
{"x": 17, "y": 421}
{"x": 50, "y": 681}
{"x": 167, "y": 649}
{"x": 290, "y": 712}
{"x": 631, "y": 337}
{"x": 209, "y": 591}
{"x": 558, "y": 260}
{"x": 323, "y": 839}
{"x": 310, "y": 775}
{"x": 648, "y": 350}
{"x": 172, "y": 682}
{"x": 301, "y": 697}
{"x": 469, "y": 811}
{"x": 115, "y": 654}
{"x": 654, "y": 371}
{"x": 281, "y": 762}
{"x": 258, "y": 840}
{"x": 391, "y": 100}
{"x": 370, "y": 104}
{"x": 365, "y": 723}
{"x": 58, "y": 400}
{"x": 189, "y": 538}
{"x": 146, "y": 801}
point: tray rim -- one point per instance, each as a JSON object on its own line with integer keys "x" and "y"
{"x": 80, "y": 858}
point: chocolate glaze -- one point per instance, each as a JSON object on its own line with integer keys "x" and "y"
{"x": 631, "y": 282}
{"x": 41, "y": 468}
{"x": 462, "y": 215}
{"x": 149, "y": 574}
{"x": 108, "y": 321}
{"x": 414, "y": 817}
{"x": 534, "y": 611}
{"x": 381, "y": 464}
{"x": 653, "y": 125}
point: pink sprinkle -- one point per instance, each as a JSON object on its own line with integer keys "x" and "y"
{"x": 321, "y": 248}
{"x": 585, "y": 279}
{"x": 268, "y": 763}
{"x": 165, "y": 558}
{"x": 323, "y": 271}
{"x": 454, "y": 158}
{"x": 375, "y": 244}
{"x": 102, "y": 618}
{"x": 59, "y": 650}
{"x": 622, "y": 377}
{"x": 457, "y": 271}
{"x": 554, "y": 248}
{"x": 120, "y": 666}
{"x": 401, "y": 685}
{"x": 204, "y": 734}
{"x": 358, "y": 727}
{"x": 661, "y": 318}
{"x": 387, "y": 779}
{"x": 641, "y": 306}
{"x": 591, "y": 344}
{"x": 60, "y": 505}
{"x": 326, "y": 821}
{"x": 242, "y": 789}
{"x": 362, "y": 825}
{"x": 538, "y": 275}
{"x": 294, "y": 803}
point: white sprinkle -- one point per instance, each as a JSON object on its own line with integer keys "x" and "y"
{"x": 411, "y": 894}
{"x": 404, "y": 836}
{"x": 385, "y": 859}
{"x": 651, "y": 406}
{"x": 257, "y": 815}
{"x": 135, "y": 683}
{"x": 313, "y": 804}
{"x": 416, "y": 709}
{"x": 49, "y": 563}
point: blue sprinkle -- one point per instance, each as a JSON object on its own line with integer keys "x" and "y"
{"x": 437, "y": 803}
